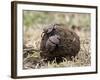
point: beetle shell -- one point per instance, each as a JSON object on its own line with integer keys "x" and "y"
{"x": 52, "y": 42}
{"x": 49, "y": 29}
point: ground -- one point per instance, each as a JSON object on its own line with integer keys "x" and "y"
{"x": 33, "y": 59}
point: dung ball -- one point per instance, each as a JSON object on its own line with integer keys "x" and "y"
{"x": 59, "y": 42}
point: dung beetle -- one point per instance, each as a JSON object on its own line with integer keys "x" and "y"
{"x": 52, "y": 42}
{"x": 48, "y": 30}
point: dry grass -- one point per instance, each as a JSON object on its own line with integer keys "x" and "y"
{"x": 32, "y": 59}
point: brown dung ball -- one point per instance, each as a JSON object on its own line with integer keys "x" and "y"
{"x": 58, "y": 43}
